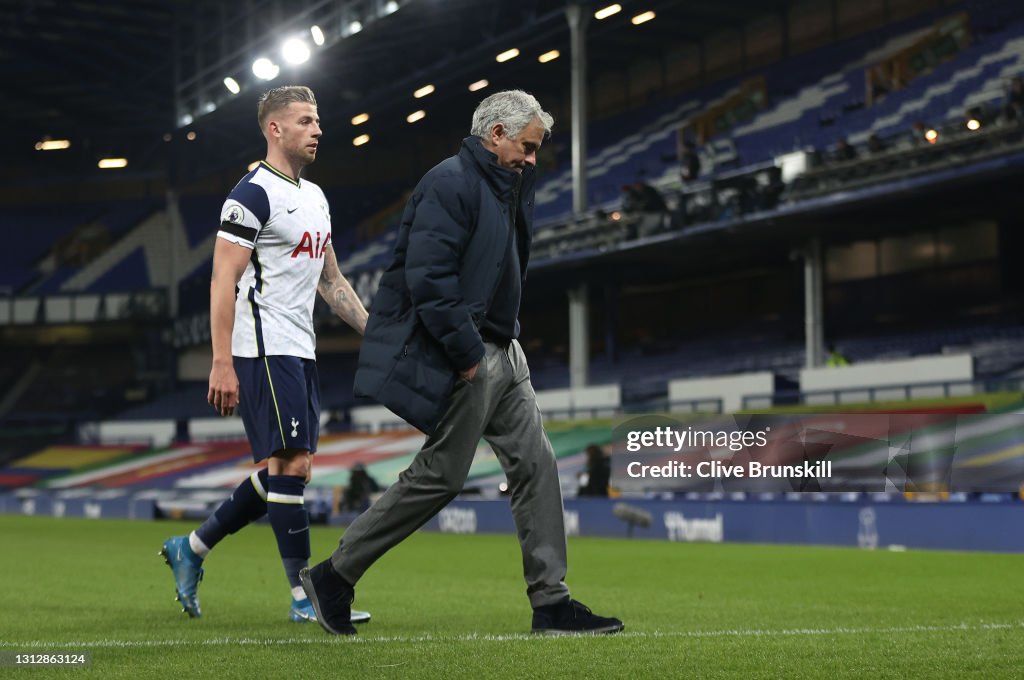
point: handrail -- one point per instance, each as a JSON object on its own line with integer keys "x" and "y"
{"x": 27, "y": 310}
{"x": 949, "y": 389}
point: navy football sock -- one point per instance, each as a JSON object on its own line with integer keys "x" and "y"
{"x": 247, "y": 504}
{"x": 292, "y": 567}
{"x": 290, "y": 521}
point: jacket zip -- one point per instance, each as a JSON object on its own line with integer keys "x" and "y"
{"x": 508, "y": 244}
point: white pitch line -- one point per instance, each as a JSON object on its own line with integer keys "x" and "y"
{"x": 512, "y": 637}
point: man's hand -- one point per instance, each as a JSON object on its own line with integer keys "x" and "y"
{"x": 470, "y": 372}
{"x": 223, "y": 395}
{"x": 229, "y": 262}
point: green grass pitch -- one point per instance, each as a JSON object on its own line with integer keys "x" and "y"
{"x": 448, "y": 606}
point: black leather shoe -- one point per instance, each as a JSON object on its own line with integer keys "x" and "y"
{"x": 331, "y": 597}
{"x": 572, "y": 618}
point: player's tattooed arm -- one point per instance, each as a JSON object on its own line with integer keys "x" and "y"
{"x": 338, "y": 293}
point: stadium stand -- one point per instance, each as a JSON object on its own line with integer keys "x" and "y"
{"x": 804, "y": 92}
{"x": 187, "y": 401}
{"x": 75, "y": 383}
{"x": 764, "y": 181}
{"x": 997, "y": 350}
{"x": 810, "y": 100}
{"x": 65, "y": 239}
{"x": 827, "y": 85}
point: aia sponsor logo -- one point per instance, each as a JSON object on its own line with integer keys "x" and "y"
{"x": 311, "y": 249}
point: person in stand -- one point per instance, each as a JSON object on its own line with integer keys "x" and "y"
{"x": 359, "y": 489}
{"x": 598, "y": 473}
{"x": 836, "y": 359}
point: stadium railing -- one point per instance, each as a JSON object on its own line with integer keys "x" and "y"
{"x": 876, "y": 393}
{"x": 84, "y": 307}
{"x": 668, "y": 405}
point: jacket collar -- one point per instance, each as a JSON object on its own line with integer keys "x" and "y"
{"x": 503, "y": 182}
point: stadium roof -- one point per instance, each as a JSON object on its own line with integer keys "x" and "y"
{"x": 103, "y": 74}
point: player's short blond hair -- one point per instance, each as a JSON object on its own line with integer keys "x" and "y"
{"x": 279, "y": 98}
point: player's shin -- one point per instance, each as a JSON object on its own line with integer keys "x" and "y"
{"x": 246, "y": 504}
{"x": 291, "y": 524}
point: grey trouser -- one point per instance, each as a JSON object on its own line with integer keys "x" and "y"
{"x": 500, "y": 406}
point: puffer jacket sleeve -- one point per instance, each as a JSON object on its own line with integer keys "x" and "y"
{"x": 438, "y": 236}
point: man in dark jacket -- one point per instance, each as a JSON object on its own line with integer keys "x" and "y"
{"x": 440, "y": 350}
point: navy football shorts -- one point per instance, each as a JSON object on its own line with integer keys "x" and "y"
{"x": 279, "y": 401}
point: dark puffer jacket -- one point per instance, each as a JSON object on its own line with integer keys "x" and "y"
{"x": 452, "y": 244}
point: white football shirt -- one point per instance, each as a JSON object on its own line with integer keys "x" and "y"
{"x": 287, "y": 224}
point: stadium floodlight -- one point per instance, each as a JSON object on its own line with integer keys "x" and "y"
{"x": 608, "y": 11}
{"x": 390, "y": 7}
{"x": 973, "y": 124}
{"x": 355, "y": 27}
{"x": 232, "y": 85}
{"x": 186, "y": 120}
{"x": 52, "y": 144}
{"x": 360, "y": 140}
{"x": 110, "y": 163}
{"x": 209, "y": 107}
{"x": 360, "y": 118}
{"x": 478, "y": 85}
{"x": 932, "y": 136}
{"x": 295, "y": 51}
{"x": 264, "y": 69}
{"x": 642, "y": 18}
{"x": 415, "y": 116}
{"x": 423, "y": 91}
{"x": 318, "y": 35}
{"x": 549, "y": 56}
{"x": 252, "y": 166}
{"x": 507, "y": 55}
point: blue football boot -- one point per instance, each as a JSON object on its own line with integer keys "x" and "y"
{"x": 303, "y": 612}
{"x": 185, "y": 565}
